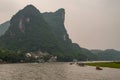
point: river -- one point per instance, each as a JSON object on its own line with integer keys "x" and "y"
{"x": 55, "y": 71}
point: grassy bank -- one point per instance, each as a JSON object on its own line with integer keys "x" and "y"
{"x": 106, "y": 64}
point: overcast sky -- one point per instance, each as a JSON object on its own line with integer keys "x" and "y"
{"x": 93, "y": 24}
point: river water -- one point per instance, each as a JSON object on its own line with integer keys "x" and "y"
{"x": 55, "y": 71}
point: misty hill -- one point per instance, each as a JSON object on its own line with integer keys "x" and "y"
{"x": 56, "y": 21}
{"x": 31, "y": 31}
{"x": 28, "y": 30}
{"x": 4, "y": 27}
{"x": 109, "y": 54}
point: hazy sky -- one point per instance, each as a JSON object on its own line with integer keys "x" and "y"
{"x": 93, "y": 24}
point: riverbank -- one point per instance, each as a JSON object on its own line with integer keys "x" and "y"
{"x": 105, "y": 64}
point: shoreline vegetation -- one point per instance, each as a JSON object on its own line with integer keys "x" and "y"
{"x": 105, "y": 64}
{"x": 97, "y": 64}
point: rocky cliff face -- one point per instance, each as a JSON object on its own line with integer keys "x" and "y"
{"x": 56, "y": 21}
{"x": 4, "y": 27}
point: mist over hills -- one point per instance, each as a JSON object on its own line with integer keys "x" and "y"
{"x": 29, "y": 30}
{"x": 108, "y": 54}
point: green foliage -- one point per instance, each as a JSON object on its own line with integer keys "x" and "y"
{"x": 106, "y": 64}
{"x": 10, "y": 56}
